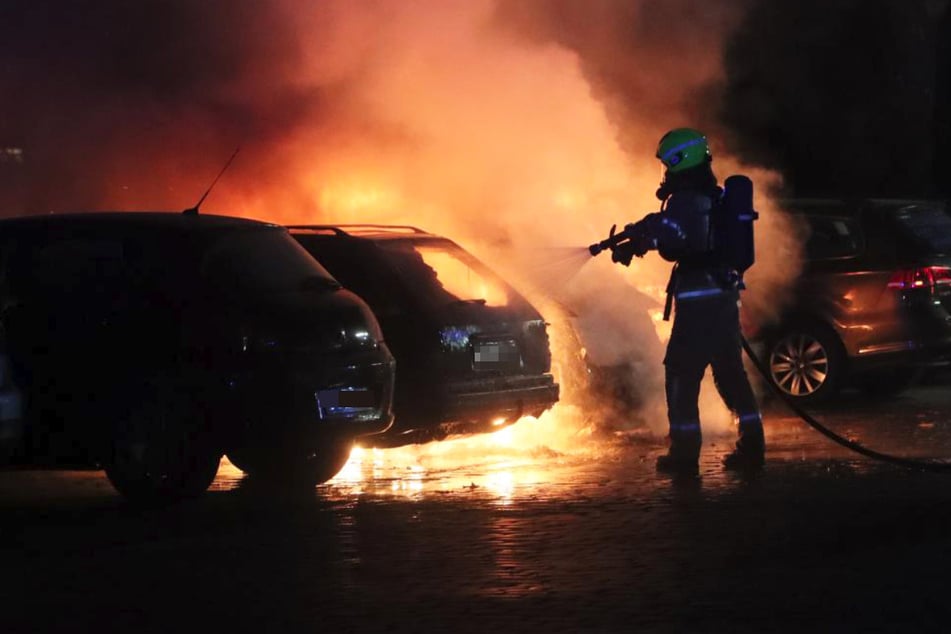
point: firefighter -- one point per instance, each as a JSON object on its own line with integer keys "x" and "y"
{"x": 705, "y": 294}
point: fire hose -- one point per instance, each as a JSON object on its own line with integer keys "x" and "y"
{"x": 911, "y": 463}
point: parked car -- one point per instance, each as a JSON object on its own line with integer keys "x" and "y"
{"x": 152, "y": 343}
{"x": 872, "y": 304}
{"x": 472, "y": 353}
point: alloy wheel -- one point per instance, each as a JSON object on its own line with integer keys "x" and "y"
{"x": 799, "y": 364}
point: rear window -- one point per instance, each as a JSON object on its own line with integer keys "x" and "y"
{"x": 262, "y": 262}
{"x": 927, "y": 228}
{"x": 832, "y": 237}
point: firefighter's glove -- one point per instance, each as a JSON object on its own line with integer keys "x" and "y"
{"x": 624, "y": 252}
{"x": 638, "y": 244}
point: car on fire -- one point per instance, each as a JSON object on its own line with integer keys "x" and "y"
{"x": 472, "y": 353}
{"x": 152, "y": 343}
{"x": 873, "y": 303}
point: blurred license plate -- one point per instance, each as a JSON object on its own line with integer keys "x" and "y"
{"x": 345, "y": 400}
{"x": 497, "y": 354}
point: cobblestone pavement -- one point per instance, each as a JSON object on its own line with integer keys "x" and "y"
{"x": 484, "y": 535}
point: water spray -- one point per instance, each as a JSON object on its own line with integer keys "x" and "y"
{"x": 556, "y": 266}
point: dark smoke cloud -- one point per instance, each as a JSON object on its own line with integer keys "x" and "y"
{"x": 655, "y": 62}
{"x": 120, "y": 104}
{"x": 842, "y": 97}
{"x": 98, "y": 93}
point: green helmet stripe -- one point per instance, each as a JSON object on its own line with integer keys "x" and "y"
{"x": 682, "y": 146}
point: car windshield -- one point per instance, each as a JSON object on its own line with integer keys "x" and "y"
{"x": 262, "y": 262}
{"x": 442, "y": 273}
{"x": 927, "y": 227}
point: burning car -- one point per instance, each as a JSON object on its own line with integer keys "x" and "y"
{"x": 873, "y": 303}
{"x": 152, "y": 343}
{"x": 473, "y": 354}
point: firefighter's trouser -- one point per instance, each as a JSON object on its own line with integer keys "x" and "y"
{"x": 706, "y": 332}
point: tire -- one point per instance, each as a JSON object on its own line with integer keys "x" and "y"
{"x": 326, "y": 463}
{"x": 806, "y": 363}
{"x": 310, "y": 469}
{"x": 161, "y": 450}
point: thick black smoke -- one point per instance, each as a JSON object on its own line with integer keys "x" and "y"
{"x": 648, "y": 62}
{"x": 842, "y": 97}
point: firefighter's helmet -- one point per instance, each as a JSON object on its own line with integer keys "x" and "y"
{"x": 683, "y": 148}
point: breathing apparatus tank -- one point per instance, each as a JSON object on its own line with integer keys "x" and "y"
{"x": 733, "y": 226}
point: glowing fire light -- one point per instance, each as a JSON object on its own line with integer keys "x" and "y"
{"x": 460, "y": 279}
{"x": 504, "y": 464}
{"x": 514, "y": 155}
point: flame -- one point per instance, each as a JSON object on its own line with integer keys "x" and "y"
{"x": 502, "y": 464}
{"x": 460, "y": 279}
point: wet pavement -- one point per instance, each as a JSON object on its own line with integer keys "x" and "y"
{"x": 510, "y": 532}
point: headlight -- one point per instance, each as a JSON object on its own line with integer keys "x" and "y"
{"x": 359, "y": 337}
{"x": 259, "y": 343}
{"x": 363, "y": 333}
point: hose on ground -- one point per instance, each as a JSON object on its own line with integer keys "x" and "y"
{"x": 911, "y": 463}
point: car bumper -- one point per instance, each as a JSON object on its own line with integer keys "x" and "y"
{"x": 499, "y": 397}
{"x": 466, "y": 407}
{"x": 339, "y": 396}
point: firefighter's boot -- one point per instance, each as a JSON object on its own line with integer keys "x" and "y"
{"x": 683, "y": 456}
{"x": 749, "y": 454}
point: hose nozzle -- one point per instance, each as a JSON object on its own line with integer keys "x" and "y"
{"x": 598, "y": 247}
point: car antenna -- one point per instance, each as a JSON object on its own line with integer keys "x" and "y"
{"x": 193, "y": 211}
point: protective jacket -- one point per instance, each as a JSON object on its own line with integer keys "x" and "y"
{"x": 682, "y": 232}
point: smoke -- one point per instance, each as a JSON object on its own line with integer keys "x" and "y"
{"x": 512, "y": 126}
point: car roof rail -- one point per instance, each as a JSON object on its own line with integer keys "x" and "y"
{"x": 352, "y": 229}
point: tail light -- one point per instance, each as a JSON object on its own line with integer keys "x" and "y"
{"x": 927, "y": 277}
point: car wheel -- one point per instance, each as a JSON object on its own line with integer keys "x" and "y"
{"x": 310, "y": 469}
{"x": 327, "y": 462}
{"x": 806, "y": 364}
{"x": 162, "y": 451}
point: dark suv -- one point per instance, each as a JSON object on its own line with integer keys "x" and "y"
{"x": 152, "y": 343}
{"x": 872, "y": 304}
{"x": 472, "y": 353}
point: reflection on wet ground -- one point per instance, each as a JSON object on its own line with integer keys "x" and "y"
{"x": 543, "y": 526}
{"x": 530, "y": 462}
